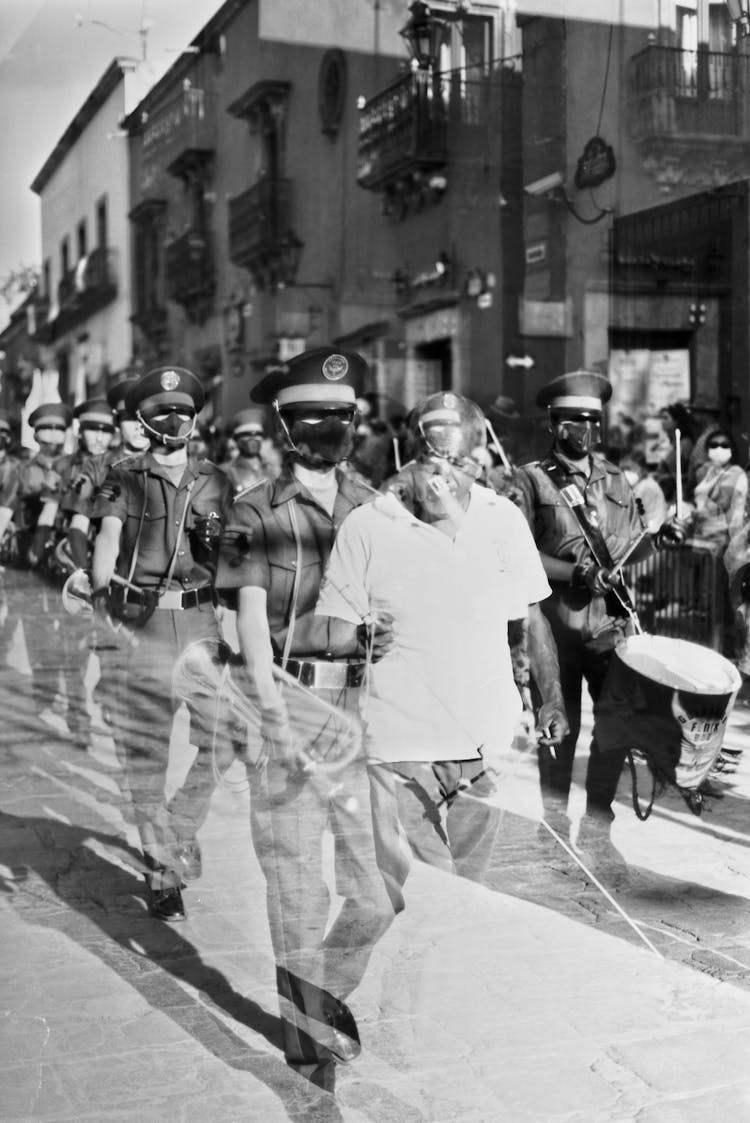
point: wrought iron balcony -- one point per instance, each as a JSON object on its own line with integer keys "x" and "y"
{"x": 675, "y": 94}
{"x": 180, "y": 134}
{"x": 402, "y": 129}
{"x": 260, "y": 232}
{"x": 40, "y": 328}
{"x": 411, "y": 131}
{"x": 190, "y": 273}
{"x": 85, "y": 289}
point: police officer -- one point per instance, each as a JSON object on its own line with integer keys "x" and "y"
{"x": 97, "y": 419}
{"x": 40, "y": 481}
{"x": 273, "y": 555}
{"x": 160, "y": 521}
{"x": 248, "y": 432}
{"x": 584, "y": 518}
{"x": 8, "y": 491}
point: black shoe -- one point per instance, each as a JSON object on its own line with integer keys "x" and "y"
{"x": 166, "y": 904}
{"x": 186, "y": 859}
{"x": 343, "y": 1038}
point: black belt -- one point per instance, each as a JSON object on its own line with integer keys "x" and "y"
{"x": 323, "y": 674}
{"x": 174, "y": 599}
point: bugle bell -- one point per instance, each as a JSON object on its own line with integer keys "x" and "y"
{"x": 329, "y": 737}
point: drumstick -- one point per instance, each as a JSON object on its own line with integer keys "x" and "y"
{"x": 678, "y": 472}
{"x": 396, "y": 454}
{"x": 630, "y": 550}
{"x": 496, "y": 445}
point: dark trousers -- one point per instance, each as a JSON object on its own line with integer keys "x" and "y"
{"x": 291, "y": 812}
{"x": 580, "y": 662}
{"x": 144, "y": 712}
{"x": 445, "y": 828}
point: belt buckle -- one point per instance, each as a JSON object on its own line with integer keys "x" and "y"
{"x": 171, "y": 599}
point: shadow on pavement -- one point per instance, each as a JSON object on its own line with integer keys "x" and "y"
{"x": 700, "y": 926}
{"x": 102, "y": 917}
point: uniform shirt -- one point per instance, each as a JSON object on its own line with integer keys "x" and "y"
{"x": 83, "y": 487}
{"x": 447, "y": 688}
{"x": 242, "y": 473}
{"x": 610, "y": 505}
{"x": 140, "y": 489}
{"x": 39, "y": 479}
{"x": 259, "y": 550}
{"x": 8, "y": 481}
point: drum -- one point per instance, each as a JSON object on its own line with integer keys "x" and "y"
{"x": 671, "y": 700}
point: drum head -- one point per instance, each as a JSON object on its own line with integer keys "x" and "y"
{"x": 680, "y": 665}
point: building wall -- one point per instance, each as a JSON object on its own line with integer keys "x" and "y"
{"x": 96, "y": 166}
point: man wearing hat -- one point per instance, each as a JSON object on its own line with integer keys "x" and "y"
{"x": 585, "y": 519}
{"x": 40, "y": 480}
{"x": 78, "y": 504}
{"x": 247, "y": 430}
{"x": 160, "y": 520}
{"x": 95, "y": 431}
{"x": 8, "y": 475}
{"x": 8, "y": 492}
{"x": 272, "y": 558}
{"x": 97, "y": 419}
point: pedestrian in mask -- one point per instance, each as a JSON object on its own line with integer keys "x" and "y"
{"x": 720, "y": 494}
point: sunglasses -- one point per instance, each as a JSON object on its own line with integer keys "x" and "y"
{"x": 719, "y": 444}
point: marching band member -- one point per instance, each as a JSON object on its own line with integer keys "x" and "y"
{"x": 248, "y": 431}
{"x": 40, "y": 481}
{"x": 160, "y": 521}
{"x": 273, "y": 554}
{"x": 584, "y": 519}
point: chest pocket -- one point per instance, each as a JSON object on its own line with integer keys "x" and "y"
{"x": 284, "y": 560}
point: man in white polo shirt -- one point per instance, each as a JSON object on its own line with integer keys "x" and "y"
{"x": 454, "y": 564}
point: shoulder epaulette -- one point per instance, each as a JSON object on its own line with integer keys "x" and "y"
{"x": 255, "y": 486}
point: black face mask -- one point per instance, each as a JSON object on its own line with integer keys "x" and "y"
{"x": 326, "y": 442}
{"x": 171, "y": 430}
{"x": 249, "y": 445}
{"x": 577, "y": 439}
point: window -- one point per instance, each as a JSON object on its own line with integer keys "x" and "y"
{"x": 46, "y": 276}
{"x": 64, "y": 257}
{"x": 81, "y": 238}
{"x": 101, "y": 222}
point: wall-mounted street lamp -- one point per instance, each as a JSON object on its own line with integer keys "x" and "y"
{"x": 423, "y": 33}
{"x": 739, "y": 14}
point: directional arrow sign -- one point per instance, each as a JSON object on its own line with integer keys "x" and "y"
{"x": 524, "y": 361}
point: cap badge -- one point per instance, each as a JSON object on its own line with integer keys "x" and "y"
{"x": 335, "y": 367}
{"x": 449, "y": 401}
{"x": 170, "y": 380}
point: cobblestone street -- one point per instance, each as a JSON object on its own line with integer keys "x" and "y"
{"x": 529, "y": 998}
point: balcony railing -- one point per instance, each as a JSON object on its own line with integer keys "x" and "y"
{"x": 85, "y": 289}
{"x": 180, "y": 135}
{"x": 258, "y": 219}
{"x": 190, "y": 274}
{"x": 701, "y": 93}
{"x": 420, "y": 119}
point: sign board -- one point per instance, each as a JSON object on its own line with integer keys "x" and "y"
{"x": 546, "y": 317}
{"x": 669, "y": 379}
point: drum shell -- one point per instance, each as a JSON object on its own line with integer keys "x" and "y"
{"x": 680, "y": 732}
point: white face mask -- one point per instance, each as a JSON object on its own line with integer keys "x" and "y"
{"x": 631, "y": 476}
{"x": 720, "y": 455}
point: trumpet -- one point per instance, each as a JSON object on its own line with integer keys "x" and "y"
{"x": 330, "y": 738}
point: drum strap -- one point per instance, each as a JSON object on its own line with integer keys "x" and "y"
{"x": 656, "y": 789}
{"x": 566, "y": 484}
